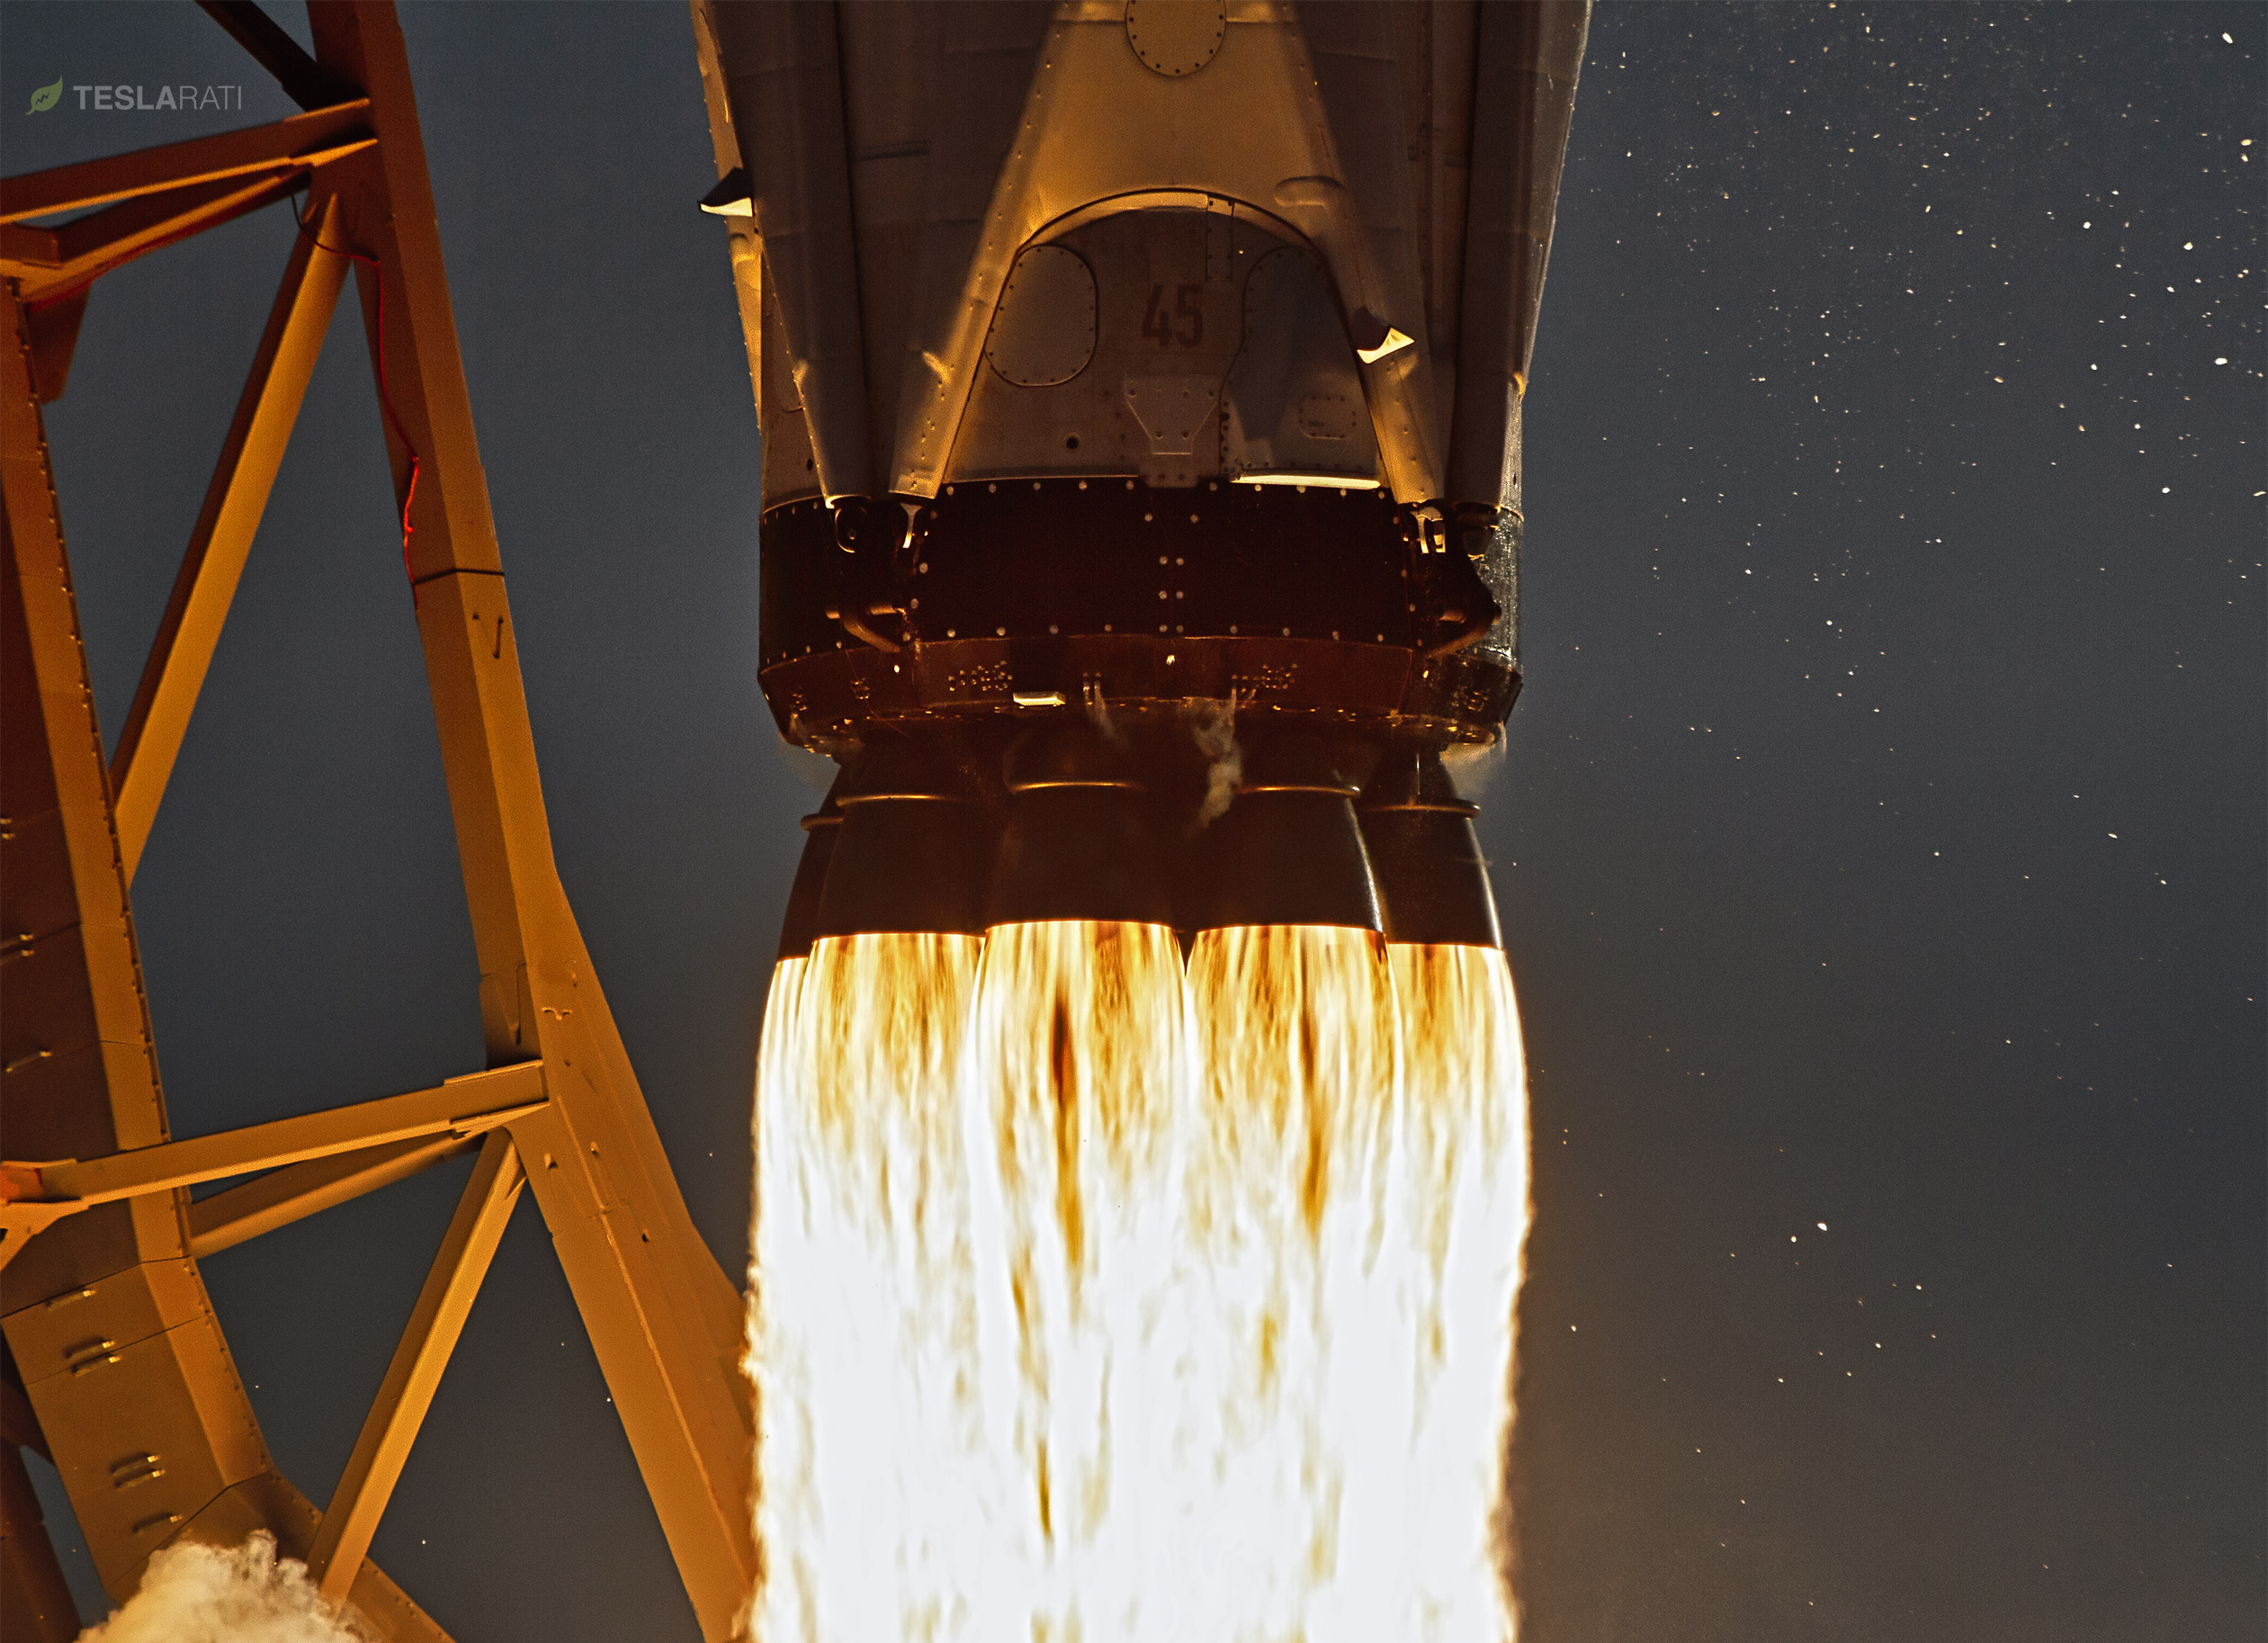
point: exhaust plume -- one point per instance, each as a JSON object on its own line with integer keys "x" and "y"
{"x": 876, "y": 1489}
{"x": 1097, "y": 1301}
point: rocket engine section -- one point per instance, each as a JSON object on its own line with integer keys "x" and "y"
{"x": 1140, "y": 388}
{"x": 1140, "y": 353}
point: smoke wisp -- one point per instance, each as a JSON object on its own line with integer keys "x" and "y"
{"x": 195, "y": 1593}
{"x": 1213, "y": 726}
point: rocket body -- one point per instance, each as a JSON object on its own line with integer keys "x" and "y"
{"x": 1148, "y": 352}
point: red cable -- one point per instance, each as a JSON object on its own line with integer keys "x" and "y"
{"x": 385, "y": 398}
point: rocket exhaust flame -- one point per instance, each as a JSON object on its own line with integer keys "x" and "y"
{"x": 1097, "y": 1300}
{"x": 1080, "y": 1100}
{"x": 1465, "y": 1148}
{"x": 876, "y": 1483}
{"x": 1368, "y": 1118}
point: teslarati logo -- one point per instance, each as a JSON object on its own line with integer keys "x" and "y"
{"x": 132, "y": 99}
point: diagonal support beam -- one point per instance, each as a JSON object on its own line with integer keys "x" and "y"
{"x": 302, "y": 78}
{"x": 218, "y": 546}
{"x": 296, "y": 1191}
{"x": 415, "y": 1374}
{"x": 83, "y": 250}
{"x": 288, "y": 144}
{"x": 467, "y": 1105}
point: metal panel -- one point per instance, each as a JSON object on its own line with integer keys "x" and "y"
{"x": 784, "y": 88}
{"x": 1371, "y": 231}
{"x": 56, "y": 712}
{"x": 1294, "y": 410}
{"x": 1156, "y": 338}
{"x": 1529, "y": 55}
{"x": 978, "y": 78}
{"x": 79, "y": 1065}
{"x": 1045, "y": 333}
{"x": 746, "y": 245}
{"x": 790, "y": 467}
{"x": 1433, "y": 51}
{"x": 74, "y": 1329}
{"x": 145, "y": 1435}
{"x": 890, "y": 51}
{"x": 1219, "y": 130}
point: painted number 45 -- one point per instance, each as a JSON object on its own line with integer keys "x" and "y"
{"x": 1188, "y": 311}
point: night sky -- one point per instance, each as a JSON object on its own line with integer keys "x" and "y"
{"x": 1878, "y": 838}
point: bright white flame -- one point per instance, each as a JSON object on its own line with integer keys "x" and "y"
{"x": 1465, "y": 1160}
{"x": 1370, "y": 1118}
{"x": 1097, "y": 1302}
{"x": 1081, "y": 1111}
{"x": 876, "y": 1481}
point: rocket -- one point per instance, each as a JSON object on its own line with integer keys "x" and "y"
{"x": 1140, "y": 391}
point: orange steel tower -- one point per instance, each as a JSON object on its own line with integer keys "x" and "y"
{"x": 119, "y": 1371}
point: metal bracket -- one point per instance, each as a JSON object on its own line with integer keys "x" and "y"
{"x": 873, "y": 580}
{"x": 1450, "y": 607}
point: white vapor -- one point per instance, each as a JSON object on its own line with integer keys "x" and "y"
{"x": 193, "y": 1593}
{"x": 1473, "y": 766}
{"x": 1213, "y": 725}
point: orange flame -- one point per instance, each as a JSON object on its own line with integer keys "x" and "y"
{"x": 1095, "y": 1302}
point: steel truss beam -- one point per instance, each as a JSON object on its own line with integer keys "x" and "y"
{"x": 468, "y": 1106}
{"x": 663, "y": 1316}
{"x": 222, "y": 539}
{"x": 49, "y": 264}
{"x": 287, "y": 147}
{"x": 415, "y": 1374}
{"x": 296, "y": 1191}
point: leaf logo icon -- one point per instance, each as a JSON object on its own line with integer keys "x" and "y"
{"x": 46, "y": 98}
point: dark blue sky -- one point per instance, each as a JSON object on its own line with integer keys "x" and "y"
{"x": 1879, "y": 834}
